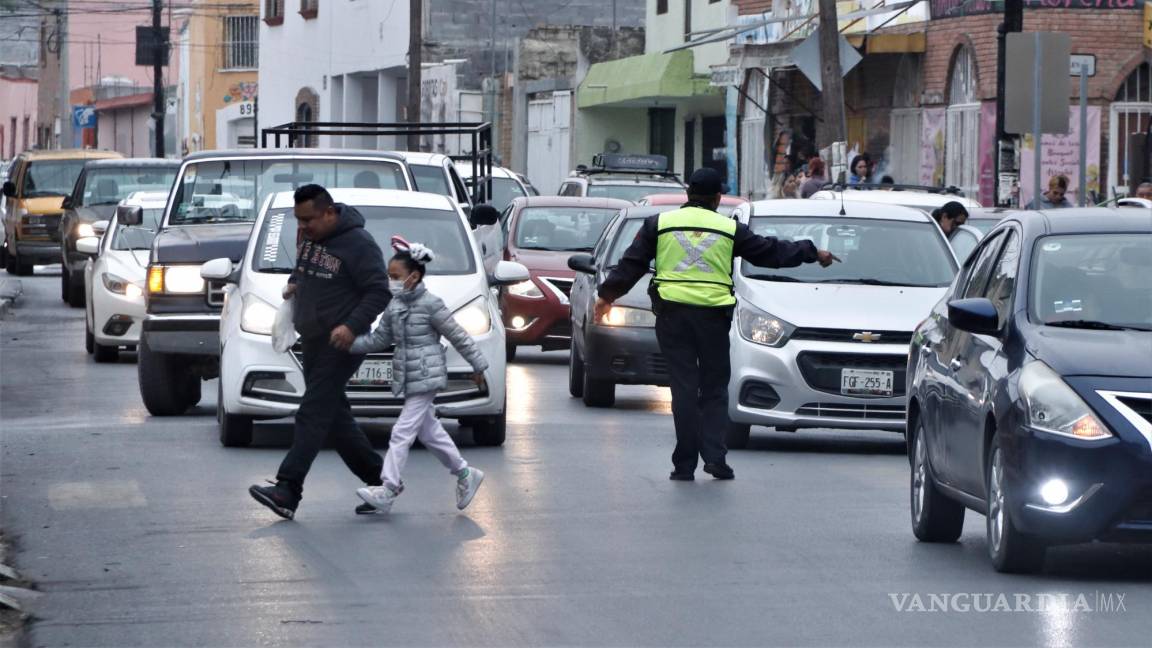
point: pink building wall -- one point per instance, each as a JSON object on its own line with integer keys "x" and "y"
{"x": 104, "y": 44}
{"x": 17, "y": 101}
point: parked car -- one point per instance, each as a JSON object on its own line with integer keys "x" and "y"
{"x": 922, "y": 198}
{"x": 820, "y": 347}
{"x": 985, "y": 218}
{"x": 621, "y": 349}
{"x": 1030, "y": 388}
{"x": 115, "y": 271}
{"x": 209, "y": 215}
{"x": 99, "y": 189}
{"x": 625, "y": 177}
{"x": 257, "y": 382}
{"x": 33, "y": 194}
{"x": 728, "y": 204}
{"x": 436, "y": 173}
{"x": 507, "y": 185}
{"x": 542, "y": 233}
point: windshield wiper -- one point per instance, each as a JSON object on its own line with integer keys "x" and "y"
{"x": 775, "y": 277}
{"x": 102, "y": 203}
{"x": 1095, "y": 325}
{"x": 276, "y": 270}
{"x": 879, "y": 282}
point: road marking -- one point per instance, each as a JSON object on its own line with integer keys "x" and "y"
{"x": 69, "y": 496}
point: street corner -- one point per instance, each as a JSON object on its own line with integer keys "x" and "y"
{"x": 10, "y": 292}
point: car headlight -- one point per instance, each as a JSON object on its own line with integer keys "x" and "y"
{"x": 526, "y": 289}
{"x": 1053, "y": 407}
{"x": 759, "y": 327}
{"x": 257, "y": 316}
{"x": 631, "y": 317}
{"x": 178, "y": 280}
{"x": 121, "y": 286}
{"x": 85, "y": 230}
{"x": 474, "y": 318}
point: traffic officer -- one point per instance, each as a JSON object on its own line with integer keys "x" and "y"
{"x": 693, "y": 299}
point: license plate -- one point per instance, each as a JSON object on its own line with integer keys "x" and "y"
{"x": 373, "y": 372}
{"x": 866, "y": 382}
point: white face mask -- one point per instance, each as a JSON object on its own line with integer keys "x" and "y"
{"x": 398, "y": 286}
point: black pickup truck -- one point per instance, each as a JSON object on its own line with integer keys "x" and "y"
{"x": 210, "y": 211}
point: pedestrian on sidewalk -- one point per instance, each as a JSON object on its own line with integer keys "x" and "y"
{"x": 414, "y": 322}
{"x": 816, "y": 178}
{"x": 339, "y": 286}
{"x": 693, "y": 297}
{"x": 1054, "y": 197}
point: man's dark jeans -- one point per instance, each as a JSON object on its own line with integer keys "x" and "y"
{"x": 325, "y": 411}
{"x": 694, "y": 342}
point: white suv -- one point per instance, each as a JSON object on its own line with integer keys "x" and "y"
{"x": 256, "y": 382}
{"x": 820, "y": 347}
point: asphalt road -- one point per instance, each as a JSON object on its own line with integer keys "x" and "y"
{"x": 140, "y": 531}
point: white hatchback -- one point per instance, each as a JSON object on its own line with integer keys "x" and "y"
{"x": 256, "y": 382}
{"x": 114, "y": 276}
{"x": 820, "y": 347}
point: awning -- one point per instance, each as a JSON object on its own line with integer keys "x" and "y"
{"x": 643, "y": 80}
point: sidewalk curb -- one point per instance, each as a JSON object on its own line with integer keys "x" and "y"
{"x": 10, "y": 291}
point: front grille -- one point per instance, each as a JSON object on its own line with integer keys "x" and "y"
{"x": 1141, "y": 406}
{"x": 215, "y": 295}
{"x": 562, "y": 286}
{"x": 862, "y": 411}
{"x": 657, "y": 365}
{"x": 822, "y": 370}
{"x": 40, "y": 227}
{"x": 846, "y": 335}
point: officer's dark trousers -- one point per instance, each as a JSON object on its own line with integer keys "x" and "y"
{"x": 694, "y": 342}
{"x": 325, "y": 412}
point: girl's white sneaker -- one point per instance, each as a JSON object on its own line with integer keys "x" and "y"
{"x": 379, "y": 497}
{"x": 466, "y": 486}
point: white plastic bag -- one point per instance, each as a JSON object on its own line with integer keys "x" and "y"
{"x": 284, "y": 334}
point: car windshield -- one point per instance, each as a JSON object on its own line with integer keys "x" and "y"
{"x": 439, "y": 229}
{"x": 51, "y": 177}
{"x": 573, "y": 229}
{"x": 624, "y": 236}
{"x": 1098, "y": 280}
{"x": 872, "y": 251}
{"x": 138, "y": 237}
{"x": 629, "y": 192}
{"x": 109, "y": 185}
{"x": 233, "y": 190}
{"x": 431, "y": 179}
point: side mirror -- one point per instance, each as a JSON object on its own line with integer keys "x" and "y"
{"x": 130, "y": 214}
{"x": 66, "y": 203}
{"x": 976, "y": 315}
{"x": 510, "y": 272}
{"x": 10, "y": 189}
{"x": 100, "y": 227}
{"x": 89, "y": 245}
{"x": 484, "y": 215}
{"x": 217, "y": 270}
{"x": 585, "y": 263}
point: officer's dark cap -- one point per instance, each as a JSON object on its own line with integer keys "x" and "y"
{"x": 706, "y": 182}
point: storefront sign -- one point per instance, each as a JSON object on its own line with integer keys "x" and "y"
{"x": 1085, "y": 62}
{"x": 956, "y": 8}
{"x": 932, "y": 147}
{"x": 725, "y": 75}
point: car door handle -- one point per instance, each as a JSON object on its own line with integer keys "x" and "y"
{"x": 956, "y": 364}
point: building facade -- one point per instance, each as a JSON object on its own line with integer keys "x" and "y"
{"x": 220, "y": 40}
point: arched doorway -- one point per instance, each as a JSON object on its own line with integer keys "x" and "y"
{"x": 307, "y": 111}
{"x": 962, "y": 137}
{"x": 1131, "y": 114}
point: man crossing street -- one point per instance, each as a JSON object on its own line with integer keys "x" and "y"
{"x": 693, "y": 297}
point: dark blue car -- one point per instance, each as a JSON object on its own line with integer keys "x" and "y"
{"x": 1030, "y": 388}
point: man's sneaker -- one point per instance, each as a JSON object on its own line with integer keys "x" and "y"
{"x": 681, "y": 476}
{"x": 278, "y": 497}
{"x": 720, "y": 471}
{"x": 378, "y": 497}
{"x": 467, "y": 483}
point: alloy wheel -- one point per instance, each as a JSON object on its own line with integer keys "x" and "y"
{"x": 996, "y": 502}
{"x": 920, "y": 477}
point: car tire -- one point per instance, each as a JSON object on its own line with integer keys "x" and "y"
{"x": 575, "y": 371}
{"x": 1011, "y": 551}
{"x": 736, "y": 436}
{"x": 17, "y": 267}
{"x": 104, "y": 354}
{"x": 64, "y": 284}
{"x": 509, "y": 352}
{"x": 73, "y": 290}
{"x": 598, "y": 393}
{"x": 89, "y": 338}
{"x": 490, "y": 431}
{"x": 935, "y": 517}
{"x": 165, "y": 385}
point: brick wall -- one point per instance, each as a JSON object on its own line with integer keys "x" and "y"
{"x": 746, "y": 7}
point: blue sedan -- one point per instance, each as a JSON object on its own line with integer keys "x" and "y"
{"x": 1030, "y": 388}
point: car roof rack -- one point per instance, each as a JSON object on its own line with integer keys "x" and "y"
{"x": 949, "y": 190}
{"x": 299, "y": 134}
{"x": 625, "y": 164}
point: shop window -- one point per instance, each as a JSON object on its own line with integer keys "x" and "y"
{"x": 1130, "y": 114}
{"x": 962, "y": 128}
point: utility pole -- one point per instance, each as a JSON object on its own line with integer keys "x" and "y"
{"x": 1013, "y": 22}
{"x": 158, "y": 103}
{"x": 65, "y": 100}
{"x": 415, "y": 60}
{"x": 831, "y": 77}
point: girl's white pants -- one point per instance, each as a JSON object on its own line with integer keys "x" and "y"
{"x": 418, "y": 421}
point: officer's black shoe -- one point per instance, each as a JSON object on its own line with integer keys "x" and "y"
{"x": 720, "y": 471}
{"x": 681, "y": 476}
{"x": 366, "y": 509}
{"x": 279, "y": 498}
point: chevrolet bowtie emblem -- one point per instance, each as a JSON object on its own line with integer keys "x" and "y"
{"x": 867, "y": 336}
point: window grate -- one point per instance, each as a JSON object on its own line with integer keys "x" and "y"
{"x": 241, "y": 42}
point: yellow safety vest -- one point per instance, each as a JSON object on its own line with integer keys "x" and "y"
{"x": 694, "y": 249}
